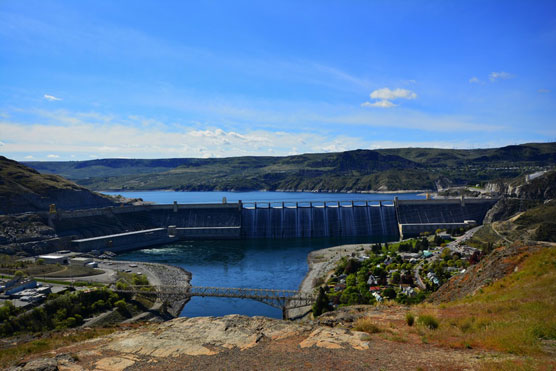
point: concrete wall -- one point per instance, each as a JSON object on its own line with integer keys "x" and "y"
{"x": 124, "y": 241}
{"x": 107, "y": 221}
{"x": 147, "y": 225}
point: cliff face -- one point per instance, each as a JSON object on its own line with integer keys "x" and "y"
{"x": 23, "y": 189}
{"x": 520, "y": 195}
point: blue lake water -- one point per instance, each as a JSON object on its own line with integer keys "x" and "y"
{"x": 274, "y": 264}
{"x": 168, "y": 197}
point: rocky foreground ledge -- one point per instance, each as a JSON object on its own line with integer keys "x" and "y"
{"x": 240, "y": 342}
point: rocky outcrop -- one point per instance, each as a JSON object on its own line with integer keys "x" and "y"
{"x": 520, "y": 194}
{"x": 28, "y": 234}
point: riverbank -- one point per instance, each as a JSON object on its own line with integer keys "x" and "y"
{"x": 321, "y": 264}
{"x": 157, "y": 274}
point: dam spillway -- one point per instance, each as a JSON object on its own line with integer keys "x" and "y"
{"x": 318, "y": 220}
{"x": 128, "y": 227}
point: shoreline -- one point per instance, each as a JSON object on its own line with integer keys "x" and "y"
{"x": 321, "y": 263}
{"x": 166, "y": 275}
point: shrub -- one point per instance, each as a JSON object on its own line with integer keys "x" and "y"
{"x": 366, "y": 325}
{"x": 123, "y": 308}
{"x": 410, "y": 318}
{"x": 428, "y": 321}
{"x": 19, "y": 274}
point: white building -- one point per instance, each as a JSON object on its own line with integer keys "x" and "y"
{"x": 54, "y": 259}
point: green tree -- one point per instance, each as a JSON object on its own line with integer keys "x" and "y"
{"x": 351, "y": 280}
{"x": 390, "y": 293}
{"x": 322, "y": 304}
{"x": 396, "y": 278}
{"x": 19, "y": 274}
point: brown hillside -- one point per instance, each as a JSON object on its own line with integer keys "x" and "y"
{"x": 496, "y": 265}
{"x": 23, "y": 189}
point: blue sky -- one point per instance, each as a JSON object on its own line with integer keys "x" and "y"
{"x": 150, "y": 79}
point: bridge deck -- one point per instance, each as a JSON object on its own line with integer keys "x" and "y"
{"x": 280, "y": 299}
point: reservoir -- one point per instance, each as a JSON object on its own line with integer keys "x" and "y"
{"x": 262, "y": 263}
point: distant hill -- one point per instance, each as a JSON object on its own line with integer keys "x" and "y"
{"x": 24, "y": 189}
{"x": 350, "y": 171}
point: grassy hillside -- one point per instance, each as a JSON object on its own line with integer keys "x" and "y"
{"x": 25, "y": 189}
{"x": 514, "y": 314}
{"x": 360, "y": 170}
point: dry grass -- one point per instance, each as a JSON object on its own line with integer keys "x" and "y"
{"x": 53, "y": 340}
{"x": 366, "y": 325}
{"x": 513, "y": 315}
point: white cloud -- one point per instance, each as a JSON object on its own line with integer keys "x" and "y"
{"x": 543, "y": 91}
{"x": 380, "y": 103}
{"x": 28, "y": 157}
{"x": 388, "y": 94}
{"x": 51, "y": 97}
{"x": 385, "y": 96}
{"x": 474, "y": 80}
{"x": 101, "y": 141}
{"x": 493, "y": 76}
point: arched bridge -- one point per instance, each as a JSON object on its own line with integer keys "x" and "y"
{"x": 281, "y": 299}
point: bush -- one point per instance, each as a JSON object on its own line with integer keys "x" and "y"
{"x": 366, "y": 325}
{"x": 410, "y": 318}
{"x": 428, "y": 321}
{"x": 122, "y": 307}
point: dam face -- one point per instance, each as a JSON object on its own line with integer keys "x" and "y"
{"x": 324, "y": 220}
{"x": 131, "y": 227}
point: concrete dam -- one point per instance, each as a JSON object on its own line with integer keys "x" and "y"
{"x": 324, "y": 219}
{"x": 131, "y": 227}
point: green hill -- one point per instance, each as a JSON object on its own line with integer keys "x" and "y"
{"x": 359, "y": 170}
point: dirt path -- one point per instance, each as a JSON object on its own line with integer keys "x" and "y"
{"x": 492, "y": 226}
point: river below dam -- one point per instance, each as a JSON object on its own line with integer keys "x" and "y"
{"x": 259, "y": 263}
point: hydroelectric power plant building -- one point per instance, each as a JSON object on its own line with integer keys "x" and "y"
{"x": 131, "y": 227}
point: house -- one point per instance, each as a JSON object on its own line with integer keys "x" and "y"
{"x": 339, "y": 287}
{"x": 409, "y": 256}
{"x": 372, "y": 280}
{"x": 407, "y": 290}
{"x": 445, "y": 236}
{"x": 432, "y": 277}
{"x": 362, "y": 258}
{"x": 374, "y": 289}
